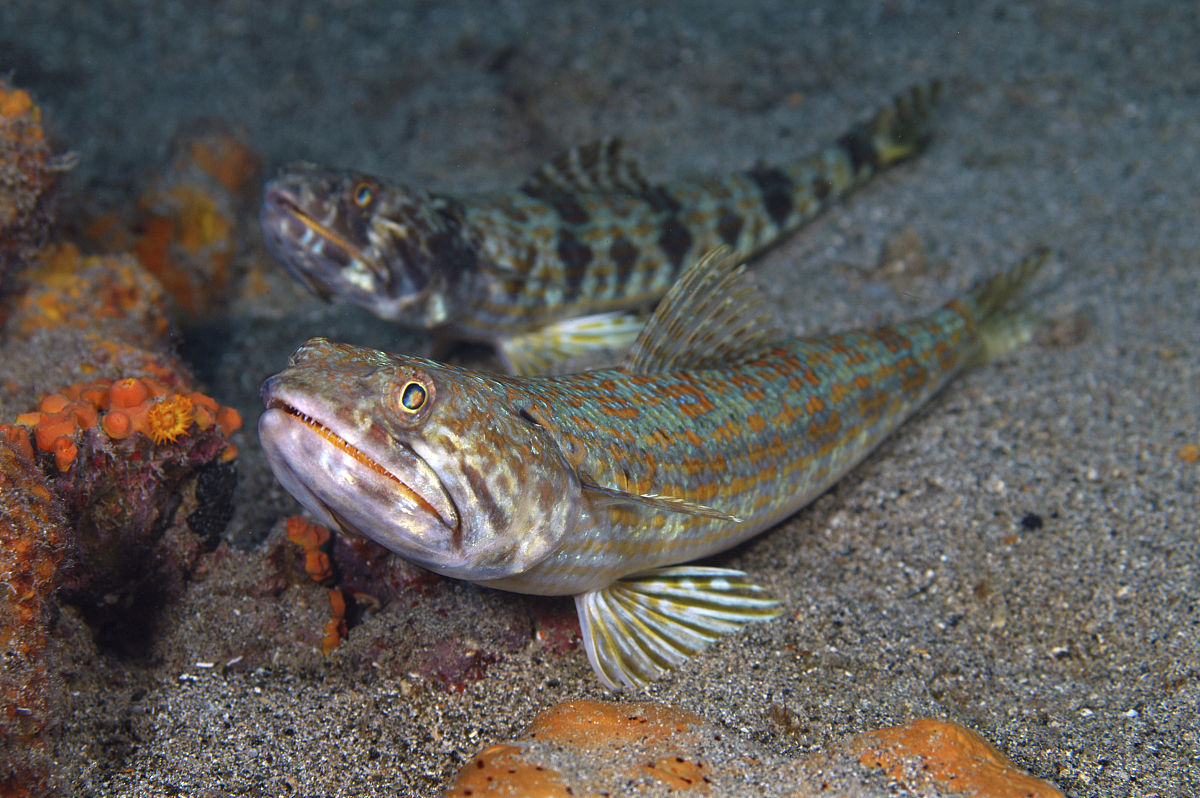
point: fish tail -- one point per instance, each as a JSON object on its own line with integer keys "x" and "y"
{"x": 898, "y": 131}
{"x": 1001, "y": 329}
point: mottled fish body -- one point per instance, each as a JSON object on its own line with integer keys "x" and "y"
{"x": 600, "y": 484}
{"x": 585, "y": 237}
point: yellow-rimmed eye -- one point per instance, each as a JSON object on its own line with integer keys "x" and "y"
{"x": 364, "y": 195}
{"x": 413, "y": 396}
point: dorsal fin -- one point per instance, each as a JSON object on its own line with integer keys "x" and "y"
{"x": 712, "y": 316}
{"x": 596, "y": 167}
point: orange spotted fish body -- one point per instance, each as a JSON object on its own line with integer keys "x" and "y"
{"x": 600, "y": 484}
{"x": 557, "y": 267}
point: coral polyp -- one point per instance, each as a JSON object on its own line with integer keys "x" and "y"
{"x": 169, "y": 418}
{"x": 146, "y": 488}
{"x": 129, "y": 392}
{"x": 119, "y": 410}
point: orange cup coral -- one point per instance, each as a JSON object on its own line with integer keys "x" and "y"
{"x": 311, "y": 538}
{"x": 132, "y": 405}
{"x": 168, "y": 418}
{"x": 336, "y": 628}
{"x": 129, "y": 392}
{"x": 64, "y": 452}
{"x": 116, "y": 425}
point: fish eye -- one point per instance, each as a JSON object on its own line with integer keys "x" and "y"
{"x": 413, "y": 396}
{"x": 364, "y": 195}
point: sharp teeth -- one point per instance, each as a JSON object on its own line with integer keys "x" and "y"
{"x": 356, "y": 453}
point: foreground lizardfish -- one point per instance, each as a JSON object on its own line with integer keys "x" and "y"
{"x": 599, "y": 484}
{"x": 563, "y": 264}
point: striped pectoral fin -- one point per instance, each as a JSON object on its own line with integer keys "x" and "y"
{"x": 641, "y": 626}
{"x": 548, "y": 348}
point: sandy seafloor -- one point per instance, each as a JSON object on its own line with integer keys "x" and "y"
{"x": 912, "y": 589}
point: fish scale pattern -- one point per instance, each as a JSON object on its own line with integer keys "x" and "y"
{"x": 596, "y": 254}
{"x": 599, "y": 484}
{"x": 756, "y": 440}
{"x": 586, "y": 234}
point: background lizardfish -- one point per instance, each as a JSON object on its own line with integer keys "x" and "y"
{"x": 556, "y": 267}
{"x": 599, "y": 484}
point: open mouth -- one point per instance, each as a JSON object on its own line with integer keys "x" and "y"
{"x": 361, "y": 457}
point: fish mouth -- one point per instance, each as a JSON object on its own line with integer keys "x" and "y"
{"x": 308, "y": 246}
{"x": 285, "y": 204}
{"x": 447, "y": 515}
{"x": 375, "y": 479}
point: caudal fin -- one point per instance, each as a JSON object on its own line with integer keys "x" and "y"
{"x": 899, "y": 131}
{"x": 1002, "y": 330}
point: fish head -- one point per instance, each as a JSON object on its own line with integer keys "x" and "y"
{"x": 430, "y": 461}
{"x": 397, "y": 251}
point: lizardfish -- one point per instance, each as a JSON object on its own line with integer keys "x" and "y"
{"x": 565, "y": 263}
{"x": 600, "y": 484}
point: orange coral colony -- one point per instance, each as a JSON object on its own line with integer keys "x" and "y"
{"x": 190, "y": 214}
{"x": 132, "y": 405}
{"x": 23, "y": 152}
{"x": 311, "y": 538}
{"x": 335, "y": 630}
{"x": 16, "y": 103}
{"x": 67, "y": 288}
{"x": 168, "y": 418}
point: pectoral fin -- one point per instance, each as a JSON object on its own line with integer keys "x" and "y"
{"x": 640, "y": 627}
{"x": 545, "y": 349}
